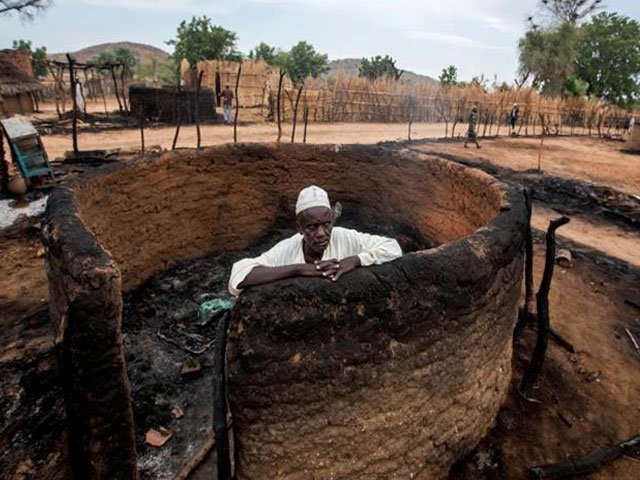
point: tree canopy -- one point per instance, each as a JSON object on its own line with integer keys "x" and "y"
{"x": 200, "y": 40}
{"x": 378, "y": 67}
{"x": 38, "y": 56}
{"x": 25, "y": 9}
{"x": 449, "y": 76}
{"x": 265, "y": 52}
{"x": 117, "y": 55}
{"x": 569, "y": 11}
{"x": 547, "y": 55}
{"x": 303, "y": 61}
{"x": 608, "y": 58}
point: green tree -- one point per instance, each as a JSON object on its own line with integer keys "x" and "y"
{"x": 264, "y": 52}
{"x": 449, "y": 76}
{"x": 300, "y": 63}
{"x": 304, "y": 61}
{"x": 378, "y": 67}
{"x": 547, "y": 55}
{"x": 608, "y": 58}
{"x": 200, "y": 40}
{"x": 575, "y": 87}
{"x": 38, "y": 56}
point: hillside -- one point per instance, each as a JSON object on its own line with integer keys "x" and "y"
{"x": 145, "y": 54}
{"x": 350, "y": 67}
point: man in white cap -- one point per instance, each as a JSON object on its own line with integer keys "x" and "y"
{"x": 318, "y": 250}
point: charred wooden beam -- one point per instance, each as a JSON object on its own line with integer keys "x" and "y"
{"x": 542, "y": 303}
{"x": 585, "y": 465}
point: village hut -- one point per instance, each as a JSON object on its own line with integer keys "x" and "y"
{"x": 17, "y": 87}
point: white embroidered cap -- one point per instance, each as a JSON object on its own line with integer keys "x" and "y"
{"x": 310, "y": 197}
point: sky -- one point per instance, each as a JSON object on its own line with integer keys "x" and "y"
{"x": 424, "y": 36}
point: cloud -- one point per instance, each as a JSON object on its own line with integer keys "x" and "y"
{"x": 194, "y": 6}
{"x": 456, "y": 40}
{"x": 496, "y": 23}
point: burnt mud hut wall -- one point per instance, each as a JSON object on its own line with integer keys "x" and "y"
{"x": 166, "y": 104}
{"x": 399, "y": 369}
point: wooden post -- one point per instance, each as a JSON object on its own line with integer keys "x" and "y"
{"x": 72, "y": 80}
{"x": 295, "y": 114}
{"x": 235, "y": 117}
{"x": 278, "y": 101}
{"x": 306, "y": 120}
{"x": 528, "y": 269}
{"x": 88, "y": 85}
{"x": 542, "y": 303}
{"x": 115, "y": 85}
{"x": 122, "y": 85}
{"x": 540, "y": 150}
{"x": 104, "y": 98}
{"x": 196, "y": 109}
{"x": 141, "y": 119}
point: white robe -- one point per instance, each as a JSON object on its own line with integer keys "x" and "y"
{"x": 344, "y": 242}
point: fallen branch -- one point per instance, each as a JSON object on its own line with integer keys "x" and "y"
{"x": 560, "y": 340}
{"x": 587, "y": 464}
{"x": 632, "y": 303}
{"x": 542, "y": 303}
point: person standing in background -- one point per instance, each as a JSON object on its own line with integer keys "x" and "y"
{"x": 471, "y": 132}
{"x": 227, "y": 98}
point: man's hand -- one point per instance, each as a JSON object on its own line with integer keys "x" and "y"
{"x": 320, "y": 268}
{"x": 345, "y": 265}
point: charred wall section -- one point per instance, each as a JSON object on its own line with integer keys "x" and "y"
{"x": 86, "y": 312}
{"x": 395, "y": 371}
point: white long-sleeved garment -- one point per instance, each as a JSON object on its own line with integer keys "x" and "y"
{"x": 344, "y": 242}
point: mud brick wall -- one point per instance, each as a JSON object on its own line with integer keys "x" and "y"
{"x": 396, "y": 371}
{"x": 155, "y": 213}
{"x": 86, "y": 311}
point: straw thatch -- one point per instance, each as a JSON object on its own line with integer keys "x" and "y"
{"x": 13, "y": 81}
{"x": 254, "y": 80}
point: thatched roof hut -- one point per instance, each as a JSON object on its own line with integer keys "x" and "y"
{"x": 16, "y": 88}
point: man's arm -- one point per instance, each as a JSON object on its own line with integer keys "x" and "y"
{"x": 262, "y": 274}
{"x": 375, "y": 249}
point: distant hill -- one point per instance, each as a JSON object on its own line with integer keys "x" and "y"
{"x": 350, "y": 67}
{"x": 145, "y": 54}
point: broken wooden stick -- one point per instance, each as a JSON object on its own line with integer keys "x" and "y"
{"x": 560, "y": 340}
{"x": 528, "y": 269}
{"x": 587, "y": 464}
{"x": 633, "y": 340}
{"x": 542, "y": 303}
{"x": 198, "y": 457}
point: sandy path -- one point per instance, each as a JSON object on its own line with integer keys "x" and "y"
{"x": 605, "y": 237}
{"x": 596, "y": 161}
{"x": 365, "y": 133}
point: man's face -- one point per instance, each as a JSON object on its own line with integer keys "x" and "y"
{"x": 315, "y": 225}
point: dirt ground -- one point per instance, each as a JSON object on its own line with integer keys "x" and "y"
{"x": 587, "y": 400}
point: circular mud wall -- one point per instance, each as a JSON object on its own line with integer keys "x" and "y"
{"x": 395, "y": 371}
